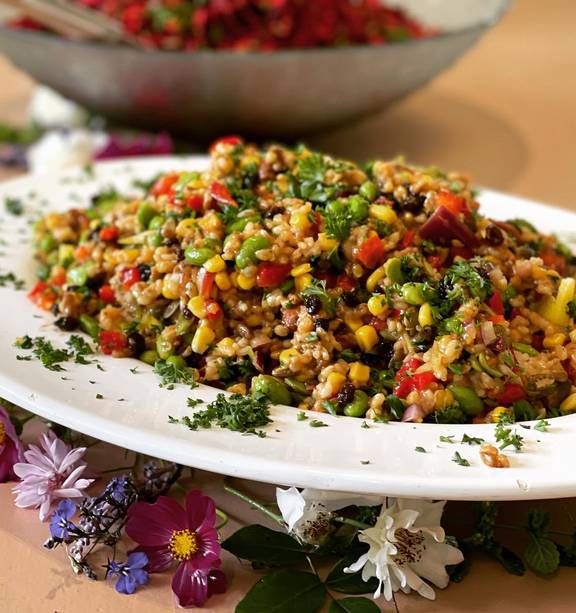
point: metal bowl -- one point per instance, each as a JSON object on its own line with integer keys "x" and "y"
{"x": 283, "y": 94}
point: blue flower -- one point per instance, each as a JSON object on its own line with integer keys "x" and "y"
{"x": 118, "y": 488}
{"x": 131, "y": 574}
{"x": 60, "y": 524}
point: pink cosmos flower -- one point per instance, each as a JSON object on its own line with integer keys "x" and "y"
{"x": 49, "y": 472}
{"x": 168, "y": 534}
{"x": 10, "y": 448}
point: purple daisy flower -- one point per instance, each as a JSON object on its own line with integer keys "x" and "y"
{"x": 10, "y": 447}
{"x": 169, "y": 534}
{"x": 131, "y": 574}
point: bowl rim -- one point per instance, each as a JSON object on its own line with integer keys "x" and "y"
{"x": 104, "y": 47}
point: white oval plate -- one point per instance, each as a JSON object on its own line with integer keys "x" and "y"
{"x": 342, "y": 456}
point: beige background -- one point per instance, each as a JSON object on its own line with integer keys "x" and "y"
{"x": 507, "y": 115}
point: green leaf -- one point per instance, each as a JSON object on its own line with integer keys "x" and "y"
{"x": 542, "y": 556}
{"x": 354, "y": 605}
{"x": 264, "y": 546}
{"x": 509, "y": 560}
{"x": 567, "y": 555}
{"x": 349, "y": 583}
{"x": 538, "y": 521}
{"x": 285, "y": 591}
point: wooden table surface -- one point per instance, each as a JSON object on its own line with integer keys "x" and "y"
{"x": 506, "y": 114}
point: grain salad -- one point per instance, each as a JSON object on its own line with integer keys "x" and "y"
{"x": 373, "y": 292}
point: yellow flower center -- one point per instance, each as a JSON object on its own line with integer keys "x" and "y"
{"x": 2, "y": 433}
{"x": 183, "y": 544}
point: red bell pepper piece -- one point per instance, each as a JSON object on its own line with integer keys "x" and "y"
{"x": 435, "y": 261}
{"x": 272, "y": 275}
{"x": 226, "y": 140}
{"x": 455, "y": 204}
{"x": 106, "y": 294}
{"x": 371, "y": 253}
{"x": 109, "y": 234}
{"x": 346, "y": 283}
{"x": 164, "y": 186}
{"x": 195, "y": 202}
{"x": 213, "y": 310}
{"x": 511, "y": 393}
{"x": 205, "y": 282}
{"x": 496, "y": 304}
{"x": 554, "y": 260}
{"x": 130, "y": 276}
{"x": 221, "y": 194}
{"x": 408, "y": 239}
{"x": 42, "y": 295}
{"x": 112, "y": 340}
{"x": 407, "y": 382}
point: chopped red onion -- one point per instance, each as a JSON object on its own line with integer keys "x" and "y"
{"x": 413, "y": 413}
{"x": 488, "y": 333}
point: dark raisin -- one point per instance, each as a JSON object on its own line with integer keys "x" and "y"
{"x": 97, "y": 281}
{"x": 136, "y": 343}
{"x": 178, "y": 251}
{"x": 381, "y": 355}
{"x": 413, "y": 203}
{"x": 145, "y": 271}
{"x": 187, "y": 313}
{"x": 313, "y": 304}
{"x": 67, "y": 323}
{"x": 349, "y": 298}
{"x": 494, "y": 236}
{"x": 346, "y": 394}
{"x": 321, "y": 322}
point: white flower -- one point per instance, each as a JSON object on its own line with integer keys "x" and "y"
{"x": 49, "y": 109}
{"x": 57, "y": 150}
{"x": 406, "y": 545}
{"x": 307, "y": 513}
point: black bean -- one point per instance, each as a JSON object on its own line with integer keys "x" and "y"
{"x": 413, "y": 203}
{"x": 67, "y": 323}
{"x": 187, "y": 313}
{"x": 313, "y": 304}
{"x": 144, "y": 271}
{"x": 321, "y": 322}
{"x": 494, "y": 235}
{"x": 97, "y": 281}
{"x": 136, "y": 343}
{"x": 346, "y": 394}
{"x": 349, "y": 298}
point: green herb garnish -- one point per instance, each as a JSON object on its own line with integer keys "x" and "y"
{"x": 14, "y": 206}
{"x": 80, "y": 349}
{"x": 318, "y": 289}
{"x": 506, "y": 436}
{"x": 420, "y": 449}
{"x": 460, "y": 460}
{"x": 10, "y": 278}
{"x": 471, "y": 440}
{"x": 171, "y": 374}
{"x": 446, "y": 439}
{"x": 316, "y": 423}
{"x": 542, "y": 425}
{"x": 301, "y": 416}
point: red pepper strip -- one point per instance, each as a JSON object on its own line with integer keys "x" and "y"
{"x": 165, "y": 185}
{"x": 205, "y": 282}
{"x": 455, "y": 204}
{"x": 226, "y": 140}
{"x": 554, "y": 260}
{"x": 220, "y": 193}
{"x": 496, "y": 304}
{"x": 109, "y": 234}
{"x": 130, "y": 276}
{"x": 106, "y": 294}
{"x": 408, "y": 239}
{"x": 196, "y": 203}
{"x": 511, "y": 393}
{"x": 371, "y": 253}
{"x": 111, "y": 340}
{"x": 346, "y": 283}
{"x": 272, "y": 275}
{"x": 42, "y": 295}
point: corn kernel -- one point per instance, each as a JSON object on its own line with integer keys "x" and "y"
{"x": 425, "y": 315}
{"x": 254, "y": 320}
{"x": 186, "y": 227}
{"x": 568, "y": 405}
{"x": 353, "y": 322}
{"x": 203, "y": 337}
{"x": 326, "y": 243}
{"x": 210, "y": 222}
{"x": 127, "y": 256}
{"x": 555, "y": 340}
{"x": 171, "y": 287}
{"x": 299, "y": 220}
{"x": 282, "y": 183}
{"x": 226, "y": 346}
{"x": 374, "y": 278}
{"x": 335, "y": 380}
{"x": 383, "y": 212}
{"x": 303, "y": 281}
{"x": 367, "y": 337}
{"x": 215, "y": 264}
{"x": 197, "y": 305}
{"x": 300, "y": 270}
{"x": 237, "y": 388}
{"x": 359, "y": 373}
{"x": 244, "y": 282}
{"x": 222, "y": 280}
{"x": 287, "y": 355}
{"x": 377, "y": 305}
{"x": 357, "y": 271}
{"x": 443, "y": 398}
{"x": 496, "y": 414}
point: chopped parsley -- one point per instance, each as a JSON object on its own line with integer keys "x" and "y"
{"x": 316, "y": 423}
{"x": 236, "y": 412}
{"x": 134, "y": 370}
{"x": 506, "y": 436}
{"x": 301, "y": 416}
{"x": 171, "y": 374}
{"x": 331, "y": 406}
{"x": 338, "y": 224}
{"x": 471, "y": 440}
{"x": 194, "y": 402}
{"x": 542, "y": 425}
{"x": 446, "y": 439}
{"x": 7, "y": 278}
{"x": 44, "y": 350}
{"x": 80, "y": 349}
{"x": 365, "y": 462}
{"x": 14, "y": 206}
{"x": 460, "y": 460}
{"x": 99, "y": 397}
{"x": 365, "y": 425}
{"x": 318, "y": 289}
{"x": 420, "y": 449}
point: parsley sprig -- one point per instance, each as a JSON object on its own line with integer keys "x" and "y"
{"x": 171, "y": 374}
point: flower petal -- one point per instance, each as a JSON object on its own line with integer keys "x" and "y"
{"x": 200, "y": 510}
{"x": 291, "y": 504}
{"x": 152, "y": 524}
{"x": 190, "y": 586}
{"x": 159, "y": 558}
{"x": 137, "y": 559}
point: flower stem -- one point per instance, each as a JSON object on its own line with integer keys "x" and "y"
{"x": 351, "y": 522}
{"x": 223, "y": 518}
{"x": 254, "y": 503}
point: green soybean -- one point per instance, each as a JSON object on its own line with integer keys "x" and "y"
{"x": 271, "y": 387}
{"x": 239, "y": 224}
{"x": 359, "y": 406}
{"x": 198, "y": 255}
{"x": 156, "y": 239}
{"x": 156, "y": 223}
{"x": 48, "y": 243}
{"x": 77, "y": 276}
{"x": 145, "y": 215}
{"x": 247, "y": 254}
{"x": 413, "y": 293}
{"x": 369, "y": 190}
{"x": 65, "y": 255}
{"x": 176, "y": 360}
{"x": 358, "y": 208}
{"x": 164, "y": 348}
{"x": 394, "y": 270}
{"x": 89, "y": 325}
{"x": 467, "y": 399}
{"x": 150, "y": 357}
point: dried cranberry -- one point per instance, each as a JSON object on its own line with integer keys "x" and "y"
{"x": 346, "y": 394}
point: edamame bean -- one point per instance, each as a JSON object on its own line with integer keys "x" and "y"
{"x": 358, "y": 208}
{"x": 247, "y": 254}
{"x": 369, "y": 190}
{"x": 413, "y": 293}
{"x": 393, "y": 268}
{"x": 240, "y": 224}
{"x": 77, "y": 276}
{"x": 198, "y": 255}
{"x": 156, "y": 223}
{"x": 48, "y": 243}
{"x": 271, "y": 387}
{"x": 150, "y": 357}
{"x": 89, "y": 325}
{"x": 145, "y": 215}
{"x": 359, "y": 406}
{"x": 176, "y": 360}
{"x": 156, "y": 239}
{"x": 164, "y": 348}
{"x": 467, "y": 399}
